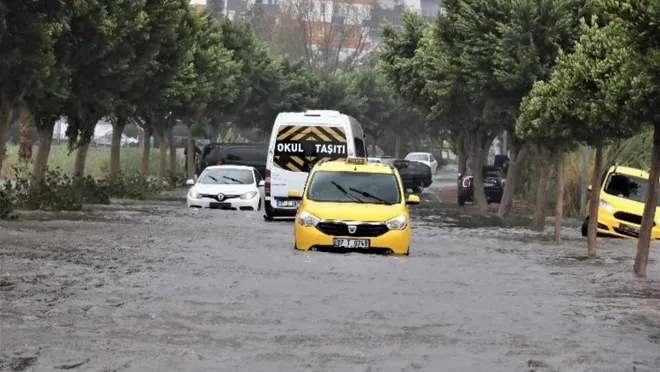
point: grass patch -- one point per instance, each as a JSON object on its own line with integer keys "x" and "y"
{"x": 98, "y": 161}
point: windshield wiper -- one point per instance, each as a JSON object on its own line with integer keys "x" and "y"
{"x": 343, "y": 190}
{"x": 215, "y": 179}
{"x": 232, "y": 179}
{"x": 370, "y": 195}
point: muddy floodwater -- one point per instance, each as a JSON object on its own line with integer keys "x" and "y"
{"x": 158, "y": 287}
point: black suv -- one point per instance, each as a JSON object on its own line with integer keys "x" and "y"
{"x": 251, "y": 154}
{"x": 494, "y": 183}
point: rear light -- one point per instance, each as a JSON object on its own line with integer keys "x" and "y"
{"x": 219, "y": 162}
{"x": 467, "y": 181}
{"x": 267, "y": 183}
{"x": 503, "y": 183}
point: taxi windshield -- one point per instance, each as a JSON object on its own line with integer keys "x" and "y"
{"x": 354, "y": 187}
{"x": 627, "y": 187}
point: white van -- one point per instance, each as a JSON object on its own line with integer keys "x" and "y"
{"x": 298, "y": 141}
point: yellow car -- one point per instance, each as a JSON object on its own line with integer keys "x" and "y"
{"x": 351, "y": 204}
{"x": 622, "y": 198}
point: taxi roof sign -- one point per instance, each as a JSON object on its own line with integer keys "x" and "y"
{"x": 356, "y": 160}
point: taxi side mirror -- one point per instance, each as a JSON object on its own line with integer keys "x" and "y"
{"x": 412, "y": 199}
{"x": 588, "y": 187}
{"x": 294, "y": 194}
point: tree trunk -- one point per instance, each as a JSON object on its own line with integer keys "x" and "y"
{"x": 594, "y": 201}
{"x": 6, "y": 114}
{"x": 559, "y": 204}
{"x": 644, "y": 241}
{"x": 162, "y": 158}
{"x": 81, "y": 160}
{"x": 172, "y": 147}
{"x": 461, "y": 154}
{"x": 516, "y": 151}
{"x": 25, "y": 138}
{"x": 397, "y": 146}
{"x": 190, "y": 157}
{"x": 115, "y": 145}
{"x": 477, "y": 160}
{"x": 542, "y": 190}
{"x": 146, "y": 147}
{"x": 45, "y": 131}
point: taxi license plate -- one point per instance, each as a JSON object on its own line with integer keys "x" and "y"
{"x": 630, "y": 229}
{"x": 351, "y": 243}
{"x": 288, "y": 203}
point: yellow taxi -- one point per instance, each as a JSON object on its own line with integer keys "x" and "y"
{"x": 622, "y": 198}
{"x": 351, "y": 204}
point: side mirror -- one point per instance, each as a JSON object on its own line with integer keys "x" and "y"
{"x": 262, "y": 183}
{"x": 588, "y": 187}
{"x": 190, "y": 182}
{"x": 412, "y": 199}
{"x": 294, "y": 194}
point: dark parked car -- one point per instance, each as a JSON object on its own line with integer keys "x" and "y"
{"x": 494, "y": 183}
{"x": 251, "y": 154}
{"x": 415, "y": 175}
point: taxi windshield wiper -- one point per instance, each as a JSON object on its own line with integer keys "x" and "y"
{"x": 372, "y": 196}
{"x": 343, "y": 190}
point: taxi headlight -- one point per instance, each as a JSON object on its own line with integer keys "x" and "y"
{"x": 194, "y": 194}
{"x": 307, "y": 219}
{"x": 606, "y": 206}
{"x": 249, "y": 195}
{"x": 397, "y": 223}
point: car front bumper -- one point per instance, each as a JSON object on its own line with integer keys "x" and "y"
{"x": 609, "y": 225}
{"x": 230, "y": 204}
{"x": 306, "y": 238}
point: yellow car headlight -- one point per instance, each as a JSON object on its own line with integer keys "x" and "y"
{"x": 397, "y": 223}
{"x": 194, "y": 194}
{"x": 606, "y": 206}
{"x": 307, "y": 219}
{"x": 249, "y": 195}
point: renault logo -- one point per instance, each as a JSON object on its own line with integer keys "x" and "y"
{"x": 221, "y": 196}
{"x": 351, "y": 229}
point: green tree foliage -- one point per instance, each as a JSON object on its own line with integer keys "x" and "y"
{"x": 28, "y": 33}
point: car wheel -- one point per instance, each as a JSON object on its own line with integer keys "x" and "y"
{"x": 268, "y": 216}
{"x": 585, "y": 226}
{"x": 461, "y": 198}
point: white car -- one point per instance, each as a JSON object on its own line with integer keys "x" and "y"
{"x": 235, "y": 187}
{"x": 424, "y": 157}
{"x": 374, "y": 160}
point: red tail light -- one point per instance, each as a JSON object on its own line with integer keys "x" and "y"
{"x": 503, "y": 183}
{"x": 219, "y": 162}
{"x": 466, "y": 182}
{"x": 267, "y": 183}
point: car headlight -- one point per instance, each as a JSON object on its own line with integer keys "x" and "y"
{"x": 249, "y": 195}
{"x": 194, "y": 194}
{"x": 397, "y": 223}
{"x": 307, "y": 219}
{"x": 606, "y": 206}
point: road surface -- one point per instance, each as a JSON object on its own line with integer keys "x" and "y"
{"x": 158, "y": 287}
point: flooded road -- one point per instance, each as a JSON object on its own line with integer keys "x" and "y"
{"x": 157, "y": 287}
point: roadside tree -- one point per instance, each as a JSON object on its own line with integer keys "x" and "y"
{"x": 530, "y": 38}
{"x": 639, "y": 20}
{"x": 594, "y": 92}
{"x": 27, "y": 54}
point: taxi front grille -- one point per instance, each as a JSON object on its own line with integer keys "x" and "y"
{"x": 361, "y": 230}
